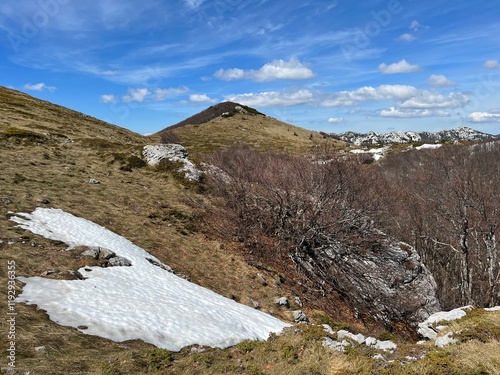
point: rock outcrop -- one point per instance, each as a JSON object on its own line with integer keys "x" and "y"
{"x": 380, "y": 277}
{"x": 175, "y": 153}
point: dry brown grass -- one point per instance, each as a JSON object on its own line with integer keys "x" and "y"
{"x": 260, "y": 133}
{"x": 150, "y": 209}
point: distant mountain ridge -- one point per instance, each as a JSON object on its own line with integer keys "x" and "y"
{"x": 374, "y": 138}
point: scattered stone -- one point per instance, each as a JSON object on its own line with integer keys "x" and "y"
{"x": 197, "y": 349}
{"x": 255, "y": 304}
{"x": 106, "y": 253}
{"x": 300, "y": 317}
{"x": 379, "y": 357}
{"x": 445, "y": 340}
{"x": 371, "y": 341}
{"x": 332, "y": 344}
{"x": 91, "y": 252}
{"x": 428, "y": 329}
{"x": 387, "y": 345}
{"x": 77, "y": 275}
{"x": 94, "y": 181}
{"x": 46, "y": 201}
{"x": 40, "y": 348}
{"x": 282, "y": 301}
{"x": 298, "y": 302}
{"x": 328, "y": 329}
{"x": 117, "y": 261}
{"x": 359, "y": 338}
{"x": 6, "y": 200}
{"x": 159, "y": 264}
{"x": 50, "y": 272}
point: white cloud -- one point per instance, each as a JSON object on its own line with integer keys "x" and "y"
{"x": 161, "y": 94}
{"x": 231, "y": 74}
{"x": 193, "y": 4}
{"x": 400, "y": 67}
{"x": 491, "y": 64}
{"x": 39, "y": 87}
{"x": 136, "y": 95}
{"x": 368, "y": 93}
{"x": 273, "y": 98}
{"x": 437, "y": 80}
{"x": 490, "y": 116}
{"x": 109, "y": 72}
{"x": 275, "y": 70}
{"x": 409, "y": 113}
{"x": 406, "y": 37}
{"x": 336, "y": 120}
{"x": 434, "y": 99}
{"x": 108, "y": 98}
{"x": 201, "y": 98}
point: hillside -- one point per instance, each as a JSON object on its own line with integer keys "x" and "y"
{"x": 94, "y": 175}
{"x": 227, "y": 123}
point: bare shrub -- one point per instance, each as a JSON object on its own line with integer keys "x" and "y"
{"x": 446, "y": 203}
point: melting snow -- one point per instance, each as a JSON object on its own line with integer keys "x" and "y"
{"x": 142, "y": 301}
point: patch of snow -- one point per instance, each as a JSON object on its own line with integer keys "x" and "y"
{"x": 143, "y": 301}
{"x": 428, "y": 146}
{"x": 376, "y": 153}
{"x": 495, "y": 308}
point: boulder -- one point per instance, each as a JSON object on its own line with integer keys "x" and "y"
{"x": 380, "y": 277}
{"x": 282, "y": 301}
{"x": 175, "y": 153}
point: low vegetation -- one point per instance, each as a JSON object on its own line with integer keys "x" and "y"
{"x": 49, "y": 154}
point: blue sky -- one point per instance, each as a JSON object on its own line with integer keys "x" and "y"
{"x": 329, "y": 66}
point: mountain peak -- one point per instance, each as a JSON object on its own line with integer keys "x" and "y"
{"x": 225, "y": 109}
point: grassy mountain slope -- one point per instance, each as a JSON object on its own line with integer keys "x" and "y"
{"x": 148, "y": 206}
{"x": 209, "y": 131}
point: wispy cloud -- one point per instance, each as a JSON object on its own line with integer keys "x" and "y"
{"x": 162, "y": 94}
{"x": 273, "y": 98}
{"x": 413, "y": 113}
{"x": 402, "y": 66}
{"x": 193, "y": 4}
{"x": 292, "y": 69}
{"x": 39, "y": 87}
{"x": 368, "y": 93}
{"x": 201, "y": 98}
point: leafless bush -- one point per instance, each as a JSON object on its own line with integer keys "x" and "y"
{"x": 300, "y": 203}
{"x": 446, "y": 202}
{"x": 170, "y": 137}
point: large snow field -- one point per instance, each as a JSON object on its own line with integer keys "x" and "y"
{"x": 143, "y": 301}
